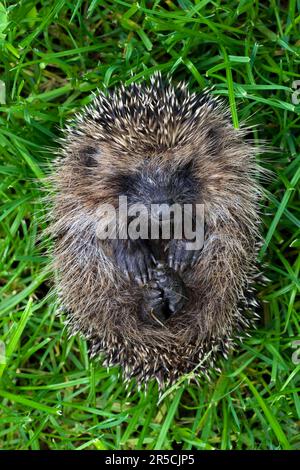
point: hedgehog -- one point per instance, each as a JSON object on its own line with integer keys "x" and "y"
{"x": 154, "y": 307}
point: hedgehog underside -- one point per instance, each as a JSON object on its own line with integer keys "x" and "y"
{"x": 171, "y": 127}
{"x": 164, "y": 353}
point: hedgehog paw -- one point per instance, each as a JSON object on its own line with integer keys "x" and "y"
{"x": 179, "y": 257}
{"x": 135, "y": 260}
{"x": 153, "y": 307}
{"x": 176, "y": 300}
{"x": 174, "y": 292}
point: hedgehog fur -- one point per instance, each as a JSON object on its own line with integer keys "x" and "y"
{"x": 184, "y": 142}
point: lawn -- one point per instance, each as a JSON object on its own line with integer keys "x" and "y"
{"x": 54, "y": 55}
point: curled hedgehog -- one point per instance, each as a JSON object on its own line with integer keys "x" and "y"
{"x": 154, "y": 307}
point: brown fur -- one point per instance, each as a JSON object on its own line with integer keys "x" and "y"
{"x": 102, "y": 304}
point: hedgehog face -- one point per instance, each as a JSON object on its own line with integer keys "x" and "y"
{"x": 158, "y": 188}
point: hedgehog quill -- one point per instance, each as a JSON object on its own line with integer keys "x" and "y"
{"x": 154, "y": 306}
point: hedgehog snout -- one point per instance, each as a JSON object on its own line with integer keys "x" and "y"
{"x": 160, "y": 210}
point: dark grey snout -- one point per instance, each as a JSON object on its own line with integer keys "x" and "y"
{"x": 162, "y": 211}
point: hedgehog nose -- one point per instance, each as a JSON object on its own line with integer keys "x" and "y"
{"x": 162, "y": 212}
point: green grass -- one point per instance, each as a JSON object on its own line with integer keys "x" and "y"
{"x": 54, "y": 54}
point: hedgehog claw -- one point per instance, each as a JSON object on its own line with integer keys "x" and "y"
{"x": 155, "y": 295}
{"x": 180, "y": 257}
{"x": 183, "y": 266}
{"x": 153, "y": 305}
{"x": 138, "y": 280}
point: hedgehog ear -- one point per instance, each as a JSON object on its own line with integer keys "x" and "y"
{"x": 88, "y": 156}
